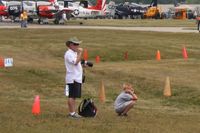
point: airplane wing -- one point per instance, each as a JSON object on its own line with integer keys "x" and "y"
{"x": 67, "y": 10}
{"x": 64, "y": 13}
{"x": 95, "y": 12}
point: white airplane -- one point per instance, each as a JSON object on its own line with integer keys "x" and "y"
{"x": 85, "y": 10}
{"x": 30, "y": 7}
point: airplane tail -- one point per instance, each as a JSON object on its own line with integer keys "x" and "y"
{"x": 175, "y": 3}
{"x": 154, "y": 3}
{"x": 178, "y": 2}
{"x": 101, "y": 5}
{"x": 3, "y": 2}
{"x": 53, "y": 2}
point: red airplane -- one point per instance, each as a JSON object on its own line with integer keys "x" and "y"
{"x": 84, "y": 10}
{"x": 52, "y": 11}
{"x": 98, "y": 5}
{"x": 3, "y": 10}
{"x": 10, "y": 11}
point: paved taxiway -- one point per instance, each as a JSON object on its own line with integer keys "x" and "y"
{"x": 155, "y": 29}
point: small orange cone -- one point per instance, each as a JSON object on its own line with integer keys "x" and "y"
{"x": 36, "y": 106}
{"x": 1, "y": 62}
{"x": 85, "y": 54}
{"x": 167, "y": 89}
{"x": 184, "y": 52}
{"x": 102, "y": 96}
{"x": 126, "y": 55}
{"x": 97, "y": 59}
{"x": 158, "y": 55}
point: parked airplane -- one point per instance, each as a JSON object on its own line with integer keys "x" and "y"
{"x": 127, "y": 10}
{"x": 53, "y": 11}
{"x": 85, "y": 10}
{"x": 13, "y": 9}
{"x": 30, "y": 7}
{"x": 35, "y": 9}
{"x": 3, "y": 10}
{"x": 153, "y": 11}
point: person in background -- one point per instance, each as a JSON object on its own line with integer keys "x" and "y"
{"x": 125, "y": 100}
{"x": 74, "y": 73}
{"x": 24, "y": 18}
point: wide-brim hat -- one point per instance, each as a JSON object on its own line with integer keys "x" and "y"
{"x": 73, "y": 40}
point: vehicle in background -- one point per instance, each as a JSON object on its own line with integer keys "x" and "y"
{"x": 153, "y": 11}
{"x": 183, "y": 11}
{"x": 126, "y": 10}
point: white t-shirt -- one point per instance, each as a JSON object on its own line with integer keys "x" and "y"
{"x": 73, "y": 72}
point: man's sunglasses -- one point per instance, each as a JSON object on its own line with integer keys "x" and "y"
{"x": 76, "y": 44}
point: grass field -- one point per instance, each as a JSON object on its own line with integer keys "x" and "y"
{"x": 39, "y": 70}
{"x": 135, "y": 22}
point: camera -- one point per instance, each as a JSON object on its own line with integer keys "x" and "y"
{"x": 87, "y": 63}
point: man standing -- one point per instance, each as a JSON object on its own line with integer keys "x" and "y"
{"x": 74, "y": 72}
{"x": 24, "y": 18}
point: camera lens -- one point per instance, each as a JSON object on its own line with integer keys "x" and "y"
{"x": 90, "y": 64}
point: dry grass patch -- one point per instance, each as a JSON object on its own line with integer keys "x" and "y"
{"x": 39, "y": 70}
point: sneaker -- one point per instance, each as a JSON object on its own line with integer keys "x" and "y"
{"x": 121, "y": 114}
{"x": 124, "y": 115}
{"x": 75, "y": 115}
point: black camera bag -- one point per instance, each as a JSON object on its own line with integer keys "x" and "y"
{"x": 87, "y": 108}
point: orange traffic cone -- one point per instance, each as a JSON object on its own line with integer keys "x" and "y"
{"x": 1, "y": 62}
{"x": 167, "y": 89}
{"x": 102, "y": 96}
{"x": 184, "y": 52}
{"x": 85, "y": 54}
{"x": 36, "y": 106}
{"x": 158, "y": 55}
{"x": 97, "y": 59}
{"x": 126, "y": 55}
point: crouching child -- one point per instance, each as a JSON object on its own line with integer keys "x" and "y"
{"x": 125, "y": 100}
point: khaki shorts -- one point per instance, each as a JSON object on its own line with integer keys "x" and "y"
{"x": 121, "y": 108}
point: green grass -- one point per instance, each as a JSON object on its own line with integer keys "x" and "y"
{"x": 135, "y": 22}
{"x": 39, "y": 70}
